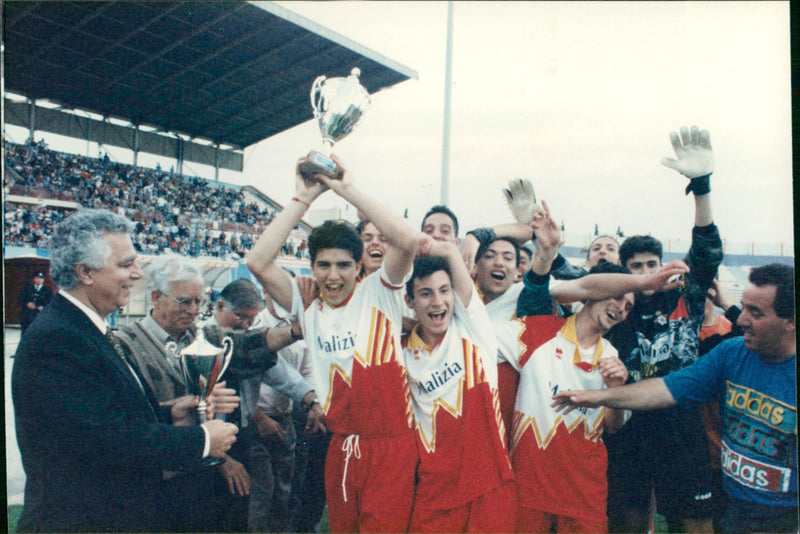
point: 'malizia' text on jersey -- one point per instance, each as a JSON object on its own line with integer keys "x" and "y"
{"x": 354, "y": 348}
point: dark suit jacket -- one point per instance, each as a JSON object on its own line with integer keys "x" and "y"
{"x": 93, "y": 442}
{"x": 39, "y": 298}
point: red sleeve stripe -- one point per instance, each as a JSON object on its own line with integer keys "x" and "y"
{"x": 388, "y": 284}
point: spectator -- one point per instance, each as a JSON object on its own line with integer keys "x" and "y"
{"x": 166, "y": 200}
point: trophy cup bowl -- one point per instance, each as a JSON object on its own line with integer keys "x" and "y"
{"x": 338, "y": 104}
{"x": 203, "y": 365}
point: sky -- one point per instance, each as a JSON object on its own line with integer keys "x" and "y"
{"x": 578, "y": 97}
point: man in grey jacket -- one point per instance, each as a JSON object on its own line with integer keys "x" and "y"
{"x": 175, "y": 287}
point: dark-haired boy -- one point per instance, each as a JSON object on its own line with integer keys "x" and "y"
{"x": 560, "y": 461}
{"x": 352, "y": 330}
{"x": 465, "y": 483}
{"x": 666, "y": 450}
{"x": 441, "y": 224}
{"x": 375, "y": 246}
{"x": 496, "y": 266}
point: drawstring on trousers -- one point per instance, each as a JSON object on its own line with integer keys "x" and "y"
{"x": 350, "y": 447}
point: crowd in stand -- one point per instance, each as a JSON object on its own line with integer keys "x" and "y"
{"x": 190, "y": 216}
{"x": 30, "y": 226}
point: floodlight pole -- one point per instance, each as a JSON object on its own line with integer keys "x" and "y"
{"x": 448, "y": 82}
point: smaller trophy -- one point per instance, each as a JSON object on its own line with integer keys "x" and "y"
{"x": 203, "y": 365}
{"x": 338, "y": 105}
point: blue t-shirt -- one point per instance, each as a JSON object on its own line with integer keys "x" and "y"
{"x": 758, "y": 411}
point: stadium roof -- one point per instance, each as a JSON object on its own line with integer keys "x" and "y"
{"x": 230, "y": 72}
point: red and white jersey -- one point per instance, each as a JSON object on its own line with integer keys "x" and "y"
{"x": 559, "y": 459}
{"x": 457, "y": 414}
{"x": 503, "y": 314}
{"x": 358, "y": 372}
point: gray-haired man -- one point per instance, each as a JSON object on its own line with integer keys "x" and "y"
{"x": 94, "y": 441}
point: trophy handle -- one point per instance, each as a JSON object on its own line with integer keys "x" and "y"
{"x": 316, "y": 94}
{"x": 227, "y": 342}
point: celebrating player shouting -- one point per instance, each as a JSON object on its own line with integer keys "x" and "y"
{"x": 353, "y": 335}
{"x": 465, "y": 482}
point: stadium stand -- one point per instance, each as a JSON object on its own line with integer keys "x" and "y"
{"x": 188, "y": 215}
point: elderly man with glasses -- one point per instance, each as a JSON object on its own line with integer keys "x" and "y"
{"x": 175, "y": 286}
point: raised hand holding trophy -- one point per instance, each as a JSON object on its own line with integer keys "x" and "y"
{"x": 203, "y": 365}
{"x": 338, "y": 104}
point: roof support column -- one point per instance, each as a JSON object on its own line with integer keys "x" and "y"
{"x": 216, "y": 162}
{"x": 31, "y": 118}
{"x": 179, "y": 155}
{"x": 136, "y": 146}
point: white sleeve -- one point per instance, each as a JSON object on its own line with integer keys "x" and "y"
{"x": 481, "y": 333}
{"x": 287, "y": 380}
{"x": 389, "y": 296}
{"x": 297, "y": 306}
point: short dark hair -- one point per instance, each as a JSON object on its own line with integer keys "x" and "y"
{"x": 639, "y": 243}
{"x": 425, "y": 266}
{"x": 608, "y": 267}
{"x": 485, "y": 246}
{"x": 441, "y": 208}
{"x": 782, "y": 277}
{"x": 528, "y": 249}
{"x": 241, "y": 293}
{"x": 335, "y": 234}
{"x": 361, "y": 225}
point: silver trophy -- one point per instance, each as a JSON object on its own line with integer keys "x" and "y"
{"x": 338, "y": 104}
{"x": 203, "y": 365}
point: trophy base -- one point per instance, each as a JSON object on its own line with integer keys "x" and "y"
{"x": 318, "y": 163}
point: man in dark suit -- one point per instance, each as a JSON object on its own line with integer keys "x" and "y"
{"x": 93, "y": 439}
{"x": 33, "y": 298}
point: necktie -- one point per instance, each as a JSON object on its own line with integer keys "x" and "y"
{"x": 117, "y": 344}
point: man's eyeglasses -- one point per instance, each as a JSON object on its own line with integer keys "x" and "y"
{"x": 186, "y": 302}
{"x": 242, "y": 318}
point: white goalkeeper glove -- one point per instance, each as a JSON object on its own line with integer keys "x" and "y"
{"x": 521, "y": 200}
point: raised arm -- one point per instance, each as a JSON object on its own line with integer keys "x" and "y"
{"x": 462, "y": 282}
{"x": 521, "y": 201}
{"x": 535, "y": 297}
{"x": 402, "y": 238}
{"x": 695, "y": 160}
{"x": 603, "y": 286}
{"x": 261, "y": 259}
